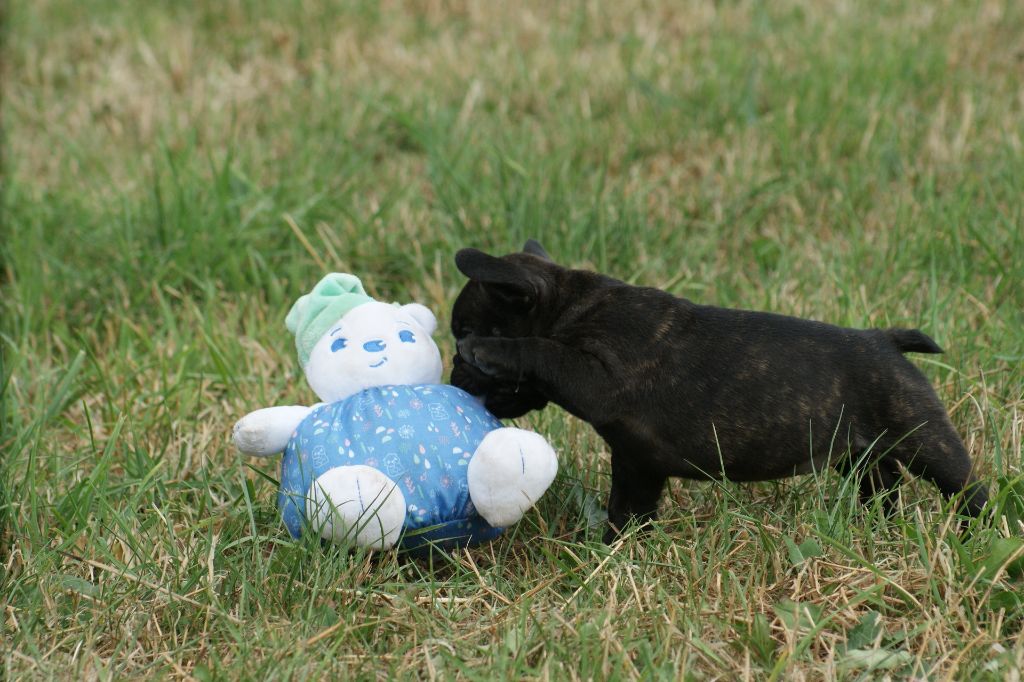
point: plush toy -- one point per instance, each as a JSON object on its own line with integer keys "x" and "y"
{"x": 391, "y": 456}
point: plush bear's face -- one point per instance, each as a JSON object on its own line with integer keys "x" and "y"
{"x": 375, "y": 344}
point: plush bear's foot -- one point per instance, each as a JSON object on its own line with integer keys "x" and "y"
{"x": 509, "y": 472}
{"x": 357, "y": 504}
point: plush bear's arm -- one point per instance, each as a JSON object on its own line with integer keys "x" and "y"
{"x": 266, "y": 432}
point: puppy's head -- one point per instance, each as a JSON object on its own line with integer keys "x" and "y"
{"x": 504, "y": 296}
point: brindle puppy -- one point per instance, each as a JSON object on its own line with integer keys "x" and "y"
{"x": 681, "y": 389}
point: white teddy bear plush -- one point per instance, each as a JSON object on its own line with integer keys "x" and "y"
{"x": 390, "y": 456}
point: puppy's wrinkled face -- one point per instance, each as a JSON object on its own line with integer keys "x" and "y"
{"x": 504, "y": 295}
{"x": 482, "y": 310}
{"x": 503, "y": 299}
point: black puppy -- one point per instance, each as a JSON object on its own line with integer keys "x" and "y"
{"x": 680, "y": 389}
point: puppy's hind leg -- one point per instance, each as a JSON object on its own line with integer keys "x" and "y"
{"x": 882, "y": 480}
{"x": 877, "y": 475}
{"x": 634, "y": 495}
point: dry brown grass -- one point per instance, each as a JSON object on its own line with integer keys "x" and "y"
{"x": 176, "y": 174}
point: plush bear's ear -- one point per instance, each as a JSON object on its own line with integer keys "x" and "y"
{"x": 423, "y": 316}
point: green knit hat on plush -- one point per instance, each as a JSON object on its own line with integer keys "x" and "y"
{"x": 313, "y": 314}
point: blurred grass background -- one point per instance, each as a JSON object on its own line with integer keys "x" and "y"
{"x": 175, "y": 174}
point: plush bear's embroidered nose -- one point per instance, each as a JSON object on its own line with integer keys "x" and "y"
{"x": 374, "y": 346}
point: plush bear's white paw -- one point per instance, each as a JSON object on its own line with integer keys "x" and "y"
{"x": 358, "y": 504}
{"x": 509, "y": 472}
{"x": 250, "y": 434}
{"x": 266, "y": 432}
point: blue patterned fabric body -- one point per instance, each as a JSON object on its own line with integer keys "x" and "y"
{"x": 421, "y": 437}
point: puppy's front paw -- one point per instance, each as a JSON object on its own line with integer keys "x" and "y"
{"x": 469, "y": 378}
{"x": 490, "y": 355}
{"x": 503, "y": 399}
{"x": 512, "y": 402}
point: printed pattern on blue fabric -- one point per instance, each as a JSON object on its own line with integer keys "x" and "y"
{"x": 421, "y": 437}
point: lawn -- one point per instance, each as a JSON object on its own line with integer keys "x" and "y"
{"x": 176, "y": 174}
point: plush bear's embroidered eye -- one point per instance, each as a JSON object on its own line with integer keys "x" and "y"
{"x": 406, "y": 336}
{"x": 338, "y": 345}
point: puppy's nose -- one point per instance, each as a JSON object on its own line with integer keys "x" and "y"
{"x": 374, "y": 346}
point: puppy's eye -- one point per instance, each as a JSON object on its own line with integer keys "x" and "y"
{"x": 338, "y": 345}
{"x": 406, "y": 336}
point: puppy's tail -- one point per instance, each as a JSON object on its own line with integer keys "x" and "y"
{"x": 912, "y": 341}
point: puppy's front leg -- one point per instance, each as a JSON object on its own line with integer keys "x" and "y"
{"x": 496, "y": 357}
{"x": 634, "y": 495}
{"x": 503, "y": 399}
{"x": 579, "y": 381}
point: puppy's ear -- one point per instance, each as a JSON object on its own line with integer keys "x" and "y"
{"x": 488, "y": 269}
{"x": 534, "y": 248}
{"x": 509, "y": 282}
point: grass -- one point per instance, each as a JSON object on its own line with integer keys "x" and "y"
{"x": 175, "y": 174}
